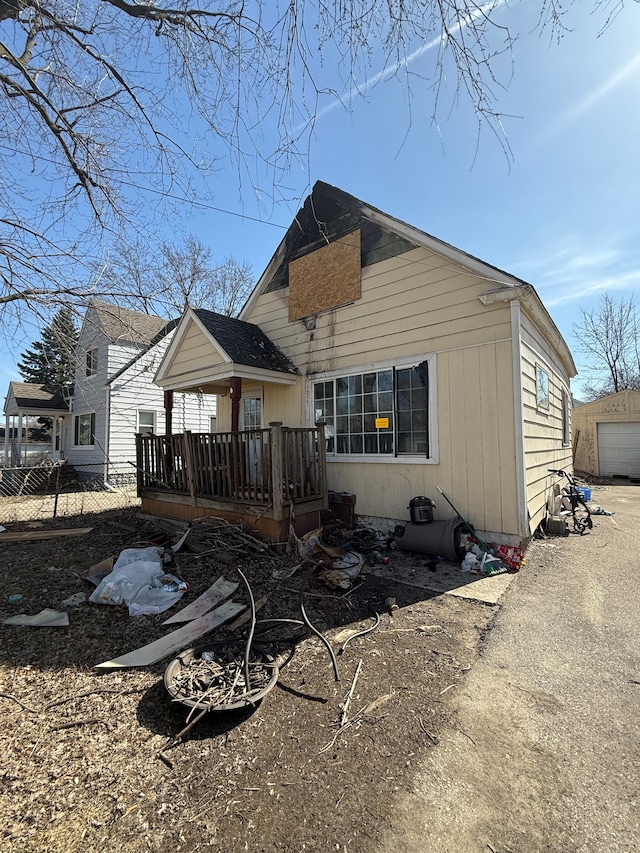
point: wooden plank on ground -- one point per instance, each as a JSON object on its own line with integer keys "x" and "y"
{"x": 176, "y": 640}
{"x": 32, "y": 535}
{"x": 220, "y": 590}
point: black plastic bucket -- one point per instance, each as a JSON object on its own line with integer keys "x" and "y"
{"x": 421, "y": 510}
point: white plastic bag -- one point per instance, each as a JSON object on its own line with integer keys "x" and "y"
{"x": 140, "y": 584}
{"x": 122, "y": 584}
{"x": 136, "y": 555}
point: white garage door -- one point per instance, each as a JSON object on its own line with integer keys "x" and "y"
{"x": 619, "y": 449}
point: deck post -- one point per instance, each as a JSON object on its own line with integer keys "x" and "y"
{"x": 190, "y": 465}
{"x": 168, "y": 412}
{"x": 139, "y": 465}
{"x": 322, "y": 463}
{"x": 275, "y": 438}
{"x": 235, "y": 393}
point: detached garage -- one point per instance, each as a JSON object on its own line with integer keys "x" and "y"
{"x": 606, "y": 435}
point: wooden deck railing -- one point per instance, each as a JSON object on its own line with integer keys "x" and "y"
{"x": 263, "y": 466}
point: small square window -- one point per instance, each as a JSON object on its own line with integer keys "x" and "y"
{"x": 542, "y": 388}
{"x": 146, "y": 422}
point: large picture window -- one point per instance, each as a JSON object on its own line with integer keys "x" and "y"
{"x": 380, "y": 412}
{"x": 84, "y": 427}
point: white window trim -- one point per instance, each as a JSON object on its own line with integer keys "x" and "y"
{"x": 540, "y": 406}
{"x": 565, "y": 403}
{"x": 146, "y": 412}
{"x": 432, "y": 413}
{"x": 94, "y": 371}
{"x": 82, "y": 415}
{"x": 252, "y": 396}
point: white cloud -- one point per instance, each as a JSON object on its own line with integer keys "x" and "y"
{"x": 573, "y": 273}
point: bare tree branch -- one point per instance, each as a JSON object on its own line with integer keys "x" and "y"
{"x": 608, "y": 336}
{"x": 93, "y": 98}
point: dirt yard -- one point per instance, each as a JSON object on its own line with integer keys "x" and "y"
{"x": 80, "y": 746}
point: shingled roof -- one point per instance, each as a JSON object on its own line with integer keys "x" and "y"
{"x": 245, "y": 343}
{"x": 28, "y": 395}
{"x": 122, "y": 324}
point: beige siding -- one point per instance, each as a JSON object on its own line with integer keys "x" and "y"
{"x": 542, "y": 428}
{"x": 407, "y": 302}
{"x": 412, "y": 306}
{"x": 622, "y": 407}
{"x": 196, "y": 352}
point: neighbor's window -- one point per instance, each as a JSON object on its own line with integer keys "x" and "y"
{"x": 382, "y": 412}
{"x": 84, "y": 427}
{"x": 213, "y": 423}
{"x": 542, "y": 388}
{"x": 565, "y": 417}
{"x": 91, "y": 362}
{"x": 146, "y": 422}
{"x": 252, "y": 413}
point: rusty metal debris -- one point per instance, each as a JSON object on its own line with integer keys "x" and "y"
{"x": 215, "y": 678}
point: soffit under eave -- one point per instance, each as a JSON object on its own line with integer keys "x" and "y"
{"x": 193, "y": 382}
{"x": 33, "y": 411}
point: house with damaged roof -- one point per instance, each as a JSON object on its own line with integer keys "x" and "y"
{"x": 375, "y": 361}
{"x": 114, "y": 396}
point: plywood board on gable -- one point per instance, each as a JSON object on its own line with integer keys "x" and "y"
{"x": 326, "y": 278}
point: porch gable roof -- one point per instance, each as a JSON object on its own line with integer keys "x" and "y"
{"x": 241, "y": 350}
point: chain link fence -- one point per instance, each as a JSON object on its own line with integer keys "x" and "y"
{"x": 45, "y": 491}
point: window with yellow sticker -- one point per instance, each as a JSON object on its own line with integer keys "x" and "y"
{"x": 381, "y": 412}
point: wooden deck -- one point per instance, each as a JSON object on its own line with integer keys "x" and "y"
{"x": 264, "y": 477}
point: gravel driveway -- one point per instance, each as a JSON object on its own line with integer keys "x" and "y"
{"x": 545, "y": 748}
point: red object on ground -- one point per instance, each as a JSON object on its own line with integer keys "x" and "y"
{"x": 510, "y": 555}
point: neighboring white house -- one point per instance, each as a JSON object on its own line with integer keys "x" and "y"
{"x": 95, "y": 422}
{"x": 114, "y": 396}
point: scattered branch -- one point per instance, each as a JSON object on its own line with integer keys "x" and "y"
{"x": 19, "y": 702}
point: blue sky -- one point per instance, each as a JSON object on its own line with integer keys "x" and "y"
{"x": 562, "y": 211}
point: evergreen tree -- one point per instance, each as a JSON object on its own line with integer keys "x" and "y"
{"x": 51, "y": 360}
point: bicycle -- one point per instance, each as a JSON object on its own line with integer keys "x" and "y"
{"x": 573, "y": 503}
